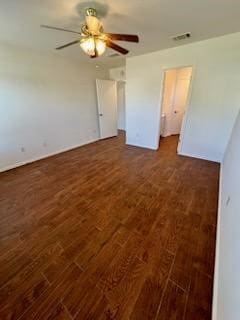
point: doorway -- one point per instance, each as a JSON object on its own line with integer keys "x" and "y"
{"x": 174, "y": 100}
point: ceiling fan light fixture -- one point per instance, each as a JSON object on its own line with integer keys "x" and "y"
{"x": 92, "y": 38}
{"x": 100, "y": 46}
{"x": 92, "y": 45}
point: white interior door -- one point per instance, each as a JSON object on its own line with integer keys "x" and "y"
{"x": 121, "y": 105}
{"x": 107, "y": 107}
{"x": 179, "y": 103}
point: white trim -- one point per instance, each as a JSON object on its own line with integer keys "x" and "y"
{"x": 217, "y": 253}
{"x": 197, "y": 156}
{"x": 141, "y": 146}
{"x": 22, "y": 163}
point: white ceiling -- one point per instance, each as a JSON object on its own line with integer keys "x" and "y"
{"x": 155, "y": 21}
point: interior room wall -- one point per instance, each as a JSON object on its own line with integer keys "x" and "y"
{"x": 227, "y": 277}
{"x": 119, "y": 75}
{"x": 47, "y": 104}
{"x": 214, "y": 100}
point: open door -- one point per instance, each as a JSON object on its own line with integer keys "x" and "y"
{"x": 107, "y": 107}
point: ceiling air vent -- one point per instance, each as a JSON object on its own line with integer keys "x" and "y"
{"x": 182, "y": 36}
{"x": 113, "y": 55}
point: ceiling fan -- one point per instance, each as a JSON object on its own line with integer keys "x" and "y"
{"x": 93, "y": 40}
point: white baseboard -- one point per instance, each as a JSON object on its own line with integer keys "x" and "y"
{"x": 217, "y": 254}
{"x": 22, "y": 163}
{"x": 140, "y": 146}
{"x": 198, "y": 157}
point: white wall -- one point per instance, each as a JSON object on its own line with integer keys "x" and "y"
{"x": 214, "y": 99}
{"x": 119, "y": 75}
{"x": 226, "y": 304}
{"x": 47, "y": 104}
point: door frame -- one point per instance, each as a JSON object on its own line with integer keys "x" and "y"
{"x": 186, "y": 113}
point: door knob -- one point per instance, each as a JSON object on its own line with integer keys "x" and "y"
{"x": 100, "y": 114}
{"x": 175, "y": 111}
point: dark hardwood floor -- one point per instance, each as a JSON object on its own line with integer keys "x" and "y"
{"x": 109, "y": 231}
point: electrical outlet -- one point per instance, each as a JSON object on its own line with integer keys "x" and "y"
{"x": 23, "y": 149}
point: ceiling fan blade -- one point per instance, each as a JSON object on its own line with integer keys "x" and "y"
{"x": 122, "y": 37}
{"x": 116, "y": 47}
{"x": 68, "y": 44}
{"x": 59, "y": 29}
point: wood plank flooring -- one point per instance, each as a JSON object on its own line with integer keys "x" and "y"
{"x": 109, "y": 231}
